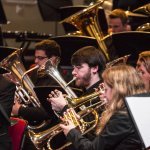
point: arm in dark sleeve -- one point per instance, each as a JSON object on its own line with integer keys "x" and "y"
{"x": 78, "y": 140}
{"x": 33, "y": 113}
{"x": 63, "y": 110}
{"x": 118, "y": 130}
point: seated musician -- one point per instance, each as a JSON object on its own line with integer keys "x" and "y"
{"x": 88, "y": 63}
{"x": 143, "y": 67}
{"x": 118, "y": 21}
{"x": 115, "y": 130}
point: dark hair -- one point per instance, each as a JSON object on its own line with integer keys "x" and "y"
{"x": 119, "y": 13}
{"x": 90, "y": 55}
{"x": 50, "y": 47}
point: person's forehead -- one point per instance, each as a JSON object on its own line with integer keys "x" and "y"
{"x": 39, "y": 51}
{"x": 115, "y": 20}
{"x": 81, "y": 64}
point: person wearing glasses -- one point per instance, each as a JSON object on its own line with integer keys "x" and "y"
{"x": 44, "y": 50}
{"x": 143, "y": 67}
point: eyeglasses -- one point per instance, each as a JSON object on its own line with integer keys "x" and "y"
{"x": 40, "y": 57}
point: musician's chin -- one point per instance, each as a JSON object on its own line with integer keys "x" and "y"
{"x": 79, "y": 83}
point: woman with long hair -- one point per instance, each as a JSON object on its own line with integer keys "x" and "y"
{"x": 115, "y": 129}
{"x": 143, "y": 67}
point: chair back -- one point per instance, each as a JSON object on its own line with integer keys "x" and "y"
{"x": 17, "y": 132}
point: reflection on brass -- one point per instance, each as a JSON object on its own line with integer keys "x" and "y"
{"x": 86, "y": 21}
{"x": 51, "y": 70}
{"x": 53, "y": 134}
{"x": 120, "y": 60}
{"x": 144, "y": 9}
{"x": 24, "y": 85}
{"x": 131, "y": 14}
{"x": 144, "y": 27}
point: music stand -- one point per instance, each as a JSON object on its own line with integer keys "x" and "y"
{"x": 138, "y": 108}
{"x": 42, "y": 93}
{"x": 70, "y": 44}
{"x": 124, "y": 43}
{"x": 49, "y": 9}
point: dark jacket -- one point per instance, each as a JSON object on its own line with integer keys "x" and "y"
{"x": 7, "y": 91}
{"x": 90, "y": 135}
{"x": 119, "y": 134}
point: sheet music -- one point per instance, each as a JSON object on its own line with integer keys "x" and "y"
{"x": 139, "y": 107}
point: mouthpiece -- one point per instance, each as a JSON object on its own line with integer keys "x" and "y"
{"x": 74, "y": 78}
{"x": 33, "y": 68}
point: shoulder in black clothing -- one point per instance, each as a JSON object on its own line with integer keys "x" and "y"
{"x": 119, "y": 134}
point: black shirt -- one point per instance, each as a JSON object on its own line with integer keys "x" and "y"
{"x": 119, "y": 134}
{"x": 7, "y": 91}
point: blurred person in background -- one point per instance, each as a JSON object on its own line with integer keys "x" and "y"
{"x": 118, "y": 22}
{"x": 143, "y": 67}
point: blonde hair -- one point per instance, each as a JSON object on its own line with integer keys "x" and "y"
{"x": 145, "y": 57}
{"x": 124, "y": 81}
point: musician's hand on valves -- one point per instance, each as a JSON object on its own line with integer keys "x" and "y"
{"x": 67, "y": 122}
{"x": 67, "y": 126}
{"x": 57, "y": 100}
{"x": 16, "y": 107}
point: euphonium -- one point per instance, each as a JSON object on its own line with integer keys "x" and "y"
{"x": 52, "y": 135}
{"x": 86, "y": 21}
{"x": 51, "y": 70}
{"x": 13, "y": 64}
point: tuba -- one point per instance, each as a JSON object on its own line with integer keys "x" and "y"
{"x": 86, "y": 21}
{"x": 54, "y": 134}
{"x": 24, "y": 86}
